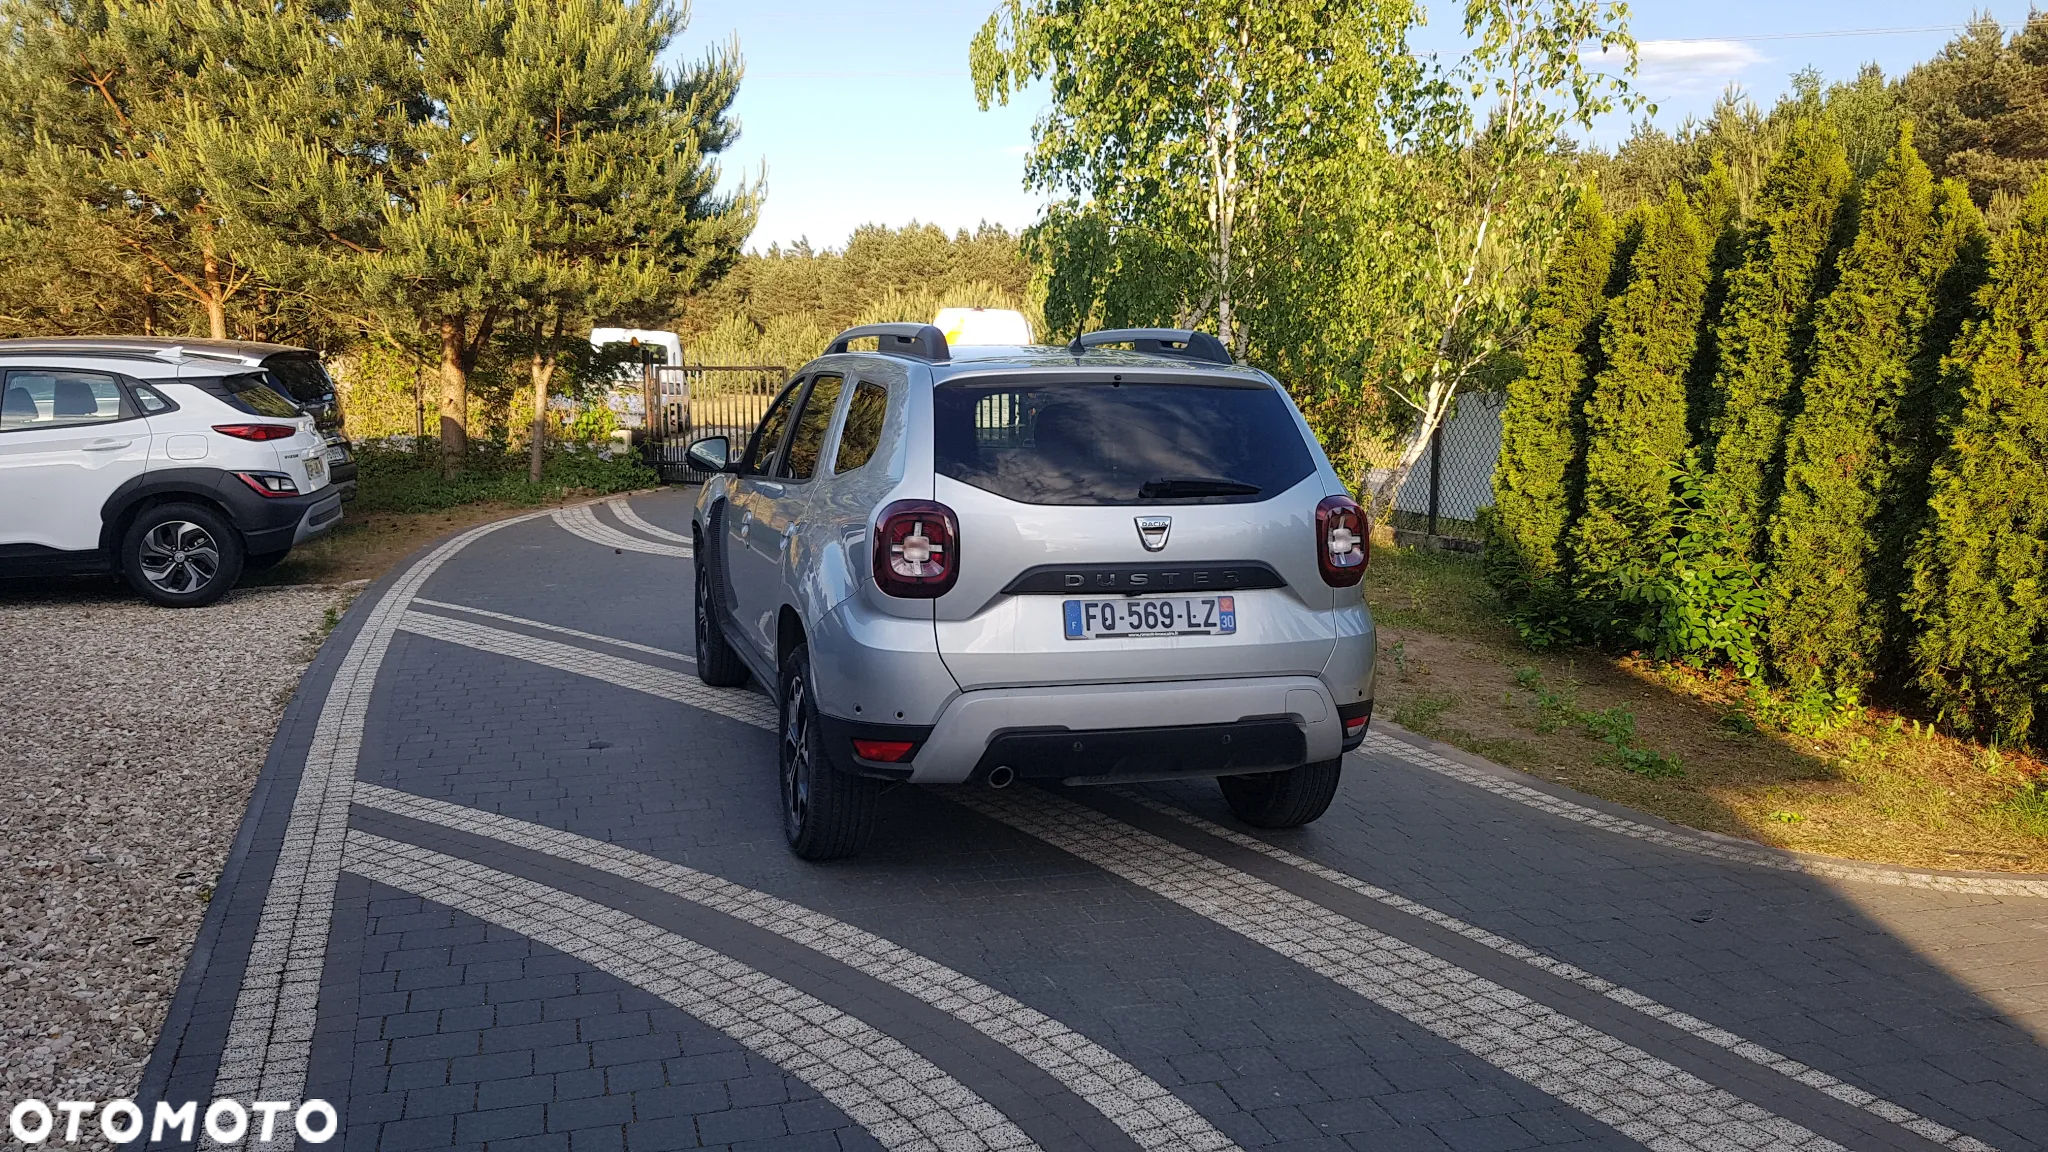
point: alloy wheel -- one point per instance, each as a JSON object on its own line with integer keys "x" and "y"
{"x": 179, "y": 557}
{"x": 796, "y": 755}
{"x": 703, "y": 604}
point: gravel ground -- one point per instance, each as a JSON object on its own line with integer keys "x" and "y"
{"x": 130, "y": 737}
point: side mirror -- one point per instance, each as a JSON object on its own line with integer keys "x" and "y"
{"x": 711, "y": 454}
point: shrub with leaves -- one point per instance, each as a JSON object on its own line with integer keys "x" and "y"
{"x": 1845, "y": 455}
{"x": 1539, "y": 446}
{"x": 1767, "y": 320}
{"x": 1980, "y": 574}
{"x": 1636, "y": 416}
{"x": 1704, "y": 603}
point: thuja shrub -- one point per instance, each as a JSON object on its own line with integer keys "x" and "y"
{"x": 1980, "y": 573}
{"x": 1635, "y": 417}
{"x": 1844, "y": 451}
{"x": 1766, "y": 323}
{"x": 1540, "y": 437}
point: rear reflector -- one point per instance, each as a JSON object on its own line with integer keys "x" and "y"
{"x": 270, "y": 483}
{"x": 1355, "y": 725}
{"x": 256, "y": 431}
{"x": 882, "y": 751}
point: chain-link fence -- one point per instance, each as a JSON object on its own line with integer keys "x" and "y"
{"x": 1454, "y": 479}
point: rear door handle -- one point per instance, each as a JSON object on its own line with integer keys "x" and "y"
{"x": 106, "y": 444}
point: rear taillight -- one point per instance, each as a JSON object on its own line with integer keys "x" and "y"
{"x": 882, "y": 751}
{"x": 256, "y": 431}
{"x": 1342, "y": 545}
{"x": 917, "y": 549}
{"x": 270, "y": 483}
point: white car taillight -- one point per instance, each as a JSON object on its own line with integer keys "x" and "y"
{"x": 1343, "y": 544}
{"x": 916, "y": 549}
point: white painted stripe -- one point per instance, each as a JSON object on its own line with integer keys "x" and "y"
{"x": 623, "y": 509}
{"x": 1562, "y": 1048}
{"x": 902, "y": 1099}
{"x": 558, "y": 629}
{"x": 581, "y": 521}
{"x": 270, "y": 1036}
{"x": 681, "y": 687}
{"x": 1639, "y": 1095}
{"x": 1153, "y": 1116}
{"x": 1697, "y": 843}
{"x": 1684, "y": 1022}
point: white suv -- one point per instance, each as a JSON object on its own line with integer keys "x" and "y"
{"x": 179, "y": 470}
{"x": 1076, "y": 564}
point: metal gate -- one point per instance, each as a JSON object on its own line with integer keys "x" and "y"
{"x": 692, "y": 401}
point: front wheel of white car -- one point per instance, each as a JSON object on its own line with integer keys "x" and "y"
{"x": 181, "y": 555}
{"x": 826, "y": 814}
{"x": 1283, "y": 799}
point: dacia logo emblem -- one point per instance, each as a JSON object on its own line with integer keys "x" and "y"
{"x": 1152, "y": 531}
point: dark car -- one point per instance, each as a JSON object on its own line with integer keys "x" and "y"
{"x": 294, "y": 372}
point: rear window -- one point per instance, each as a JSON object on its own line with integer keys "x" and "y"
{"x": 300, "y": 377}
{"x": 250, "y": 392}
{"x": 1103, "y": 442}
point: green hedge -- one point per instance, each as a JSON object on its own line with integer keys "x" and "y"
{"x": 409, "y": 479}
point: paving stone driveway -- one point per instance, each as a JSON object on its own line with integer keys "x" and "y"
{"x": 513, "y": 878}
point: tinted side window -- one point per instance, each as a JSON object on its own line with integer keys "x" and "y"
{"x": 57, "y": 397}
{"x": 1105, "y": 442}
{"x": 863, "y": 432}
{"x": 768, "y": 437}
{"x": 801, "y": 461}
{"x": 151, "y": 400}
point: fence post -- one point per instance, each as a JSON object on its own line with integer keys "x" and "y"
{"x": 1436, "y": 471}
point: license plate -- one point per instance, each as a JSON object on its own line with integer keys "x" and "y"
{"x": 337, "y": 455}
{"x": 316, "y": 470}
{"x": 1151, "y": 616}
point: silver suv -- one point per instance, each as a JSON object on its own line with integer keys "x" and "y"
{"x": 1088, "y": 564}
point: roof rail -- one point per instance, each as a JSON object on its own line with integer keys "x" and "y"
{"x": 920, "y": 341}
{"x": 1181, "y": 342}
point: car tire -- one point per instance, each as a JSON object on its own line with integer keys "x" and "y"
{"x": 1286, "y": 799}
{"x": 717, "y": 664}
{"x": 827, "y": 814}
{"x": 181, "y": 555}
{"x": 264, "y": 561}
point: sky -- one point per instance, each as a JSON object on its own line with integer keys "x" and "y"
{"x": 863, "y": 111}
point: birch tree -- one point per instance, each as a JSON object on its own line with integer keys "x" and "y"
{"x": 1183, "y": 126}
{"x": 1462, "y": 213}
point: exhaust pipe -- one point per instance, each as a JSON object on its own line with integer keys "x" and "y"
{"x": 1000, "y": 776}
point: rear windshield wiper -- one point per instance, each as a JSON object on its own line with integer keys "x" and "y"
{"x": 1169, "y": 487}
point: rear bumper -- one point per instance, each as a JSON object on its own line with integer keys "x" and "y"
{"x": 1196, "y": 728}
{"x": 324, "y": 514}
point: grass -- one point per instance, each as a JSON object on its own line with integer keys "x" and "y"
{"x": 1709, "y": 751}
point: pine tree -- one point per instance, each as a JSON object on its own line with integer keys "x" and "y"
{"x": 1766, "y": 323}
{"x": 1980, "y": 572}
{"x": 1540, "y": 433}
{"x": 1846, "y": 458}
{"x": 1636, "y": 416}
{"x": 469, "y": 168}
{"x": 104, "y": 171}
